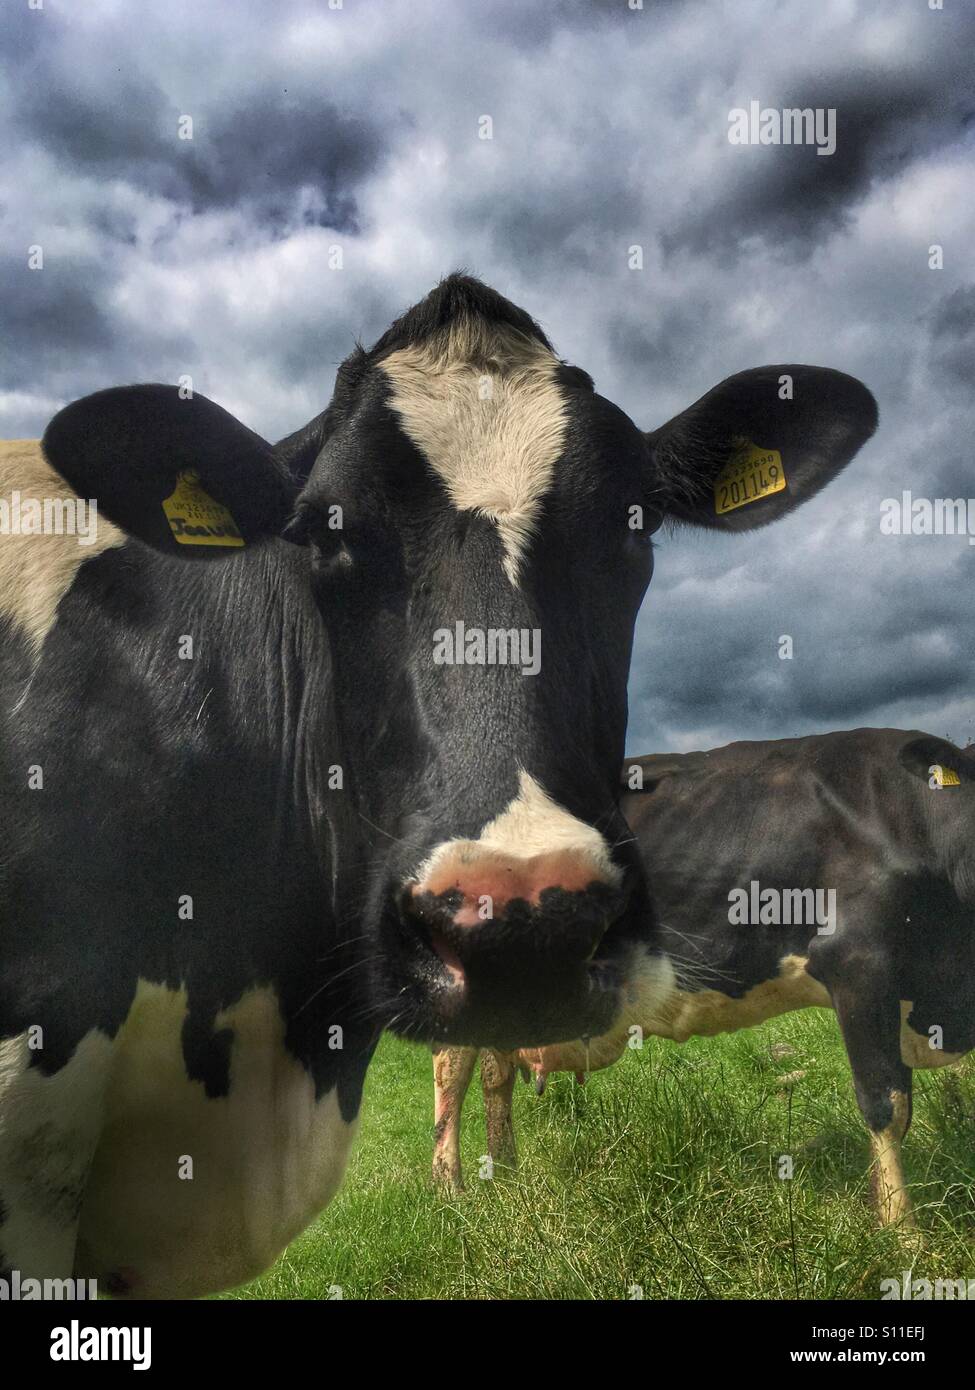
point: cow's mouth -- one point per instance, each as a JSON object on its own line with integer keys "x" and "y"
{"x": 509, "y": 985}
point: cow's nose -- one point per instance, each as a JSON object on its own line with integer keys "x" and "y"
{"x": 500, "y": 950}
{"x": 480, "y": 887}
{"x": 484, "y": 912}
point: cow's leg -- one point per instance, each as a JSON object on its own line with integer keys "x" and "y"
{"x": 50, "y": 1125}
{"x": 453, "y": 1068}
{"x": 870, "y": 1020}
{"x": 498, "y": 1082}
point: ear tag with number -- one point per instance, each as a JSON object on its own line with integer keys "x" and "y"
{"x": 749, "y": 474}
{"x": 195, "y": 518}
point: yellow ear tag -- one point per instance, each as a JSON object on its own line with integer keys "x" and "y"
{"x": 195, "y": 518}
{"x": 749, "y": 474}
{"x": 946, "y": 777}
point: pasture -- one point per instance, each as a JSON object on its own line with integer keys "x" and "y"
{"x": 662, "y": 1172}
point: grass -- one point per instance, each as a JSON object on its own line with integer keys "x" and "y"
{"x": 662, "y": 1173}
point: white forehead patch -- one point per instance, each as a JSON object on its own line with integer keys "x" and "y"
{"x": 482, "y": 403}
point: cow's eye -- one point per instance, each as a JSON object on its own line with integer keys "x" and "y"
{"x": 642, "y": 524}
{"x": 319, "y": 527}
{"x": 331, "y": 545}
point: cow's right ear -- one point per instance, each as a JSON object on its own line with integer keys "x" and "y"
{"x": 759, "y": 444}
{"x": 178, "y": 472}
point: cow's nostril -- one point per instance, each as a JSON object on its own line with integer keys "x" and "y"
{"x": 450, "y": 958}
{"x": 432, "y": 920}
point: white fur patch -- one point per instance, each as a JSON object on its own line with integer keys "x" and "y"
{"x": 683, "y": 1014}
{"x": 916, "y": 1049}
{"x": 36, "y": 571}
{"x": 530, "y": 825}
{"x": 266, "y": 1158}
{"x": 49, "y": 1127}
{"x": 110, "y": 1132}
{"x": 482, "y": 404}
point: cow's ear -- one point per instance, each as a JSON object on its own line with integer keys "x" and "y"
{"x": 177, "y": 472}
{"x": 937, "y": 762}
{"x": 759, "y": 444}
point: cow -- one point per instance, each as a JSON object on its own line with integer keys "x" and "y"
{"x": 271, "y": 782}
{"x": 834, "y": 871}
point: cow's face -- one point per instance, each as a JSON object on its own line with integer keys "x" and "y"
{"x": 478, "y": 525}
{"x": 478, "y": 577}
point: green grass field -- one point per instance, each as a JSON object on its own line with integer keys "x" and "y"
{"x": 661, "y": 1172}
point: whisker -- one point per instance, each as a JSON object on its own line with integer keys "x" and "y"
{"x": 397, "y": 839}
{"x": 327, "y": 984}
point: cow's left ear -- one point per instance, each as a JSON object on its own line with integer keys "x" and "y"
{"x": 177, "y": 472}
{"x": 759, "y": 444}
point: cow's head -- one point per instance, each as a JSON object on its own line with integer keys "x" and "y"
{"x": 477, "y": 523}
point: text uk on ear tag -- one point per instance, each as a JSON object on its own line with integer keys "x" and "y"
{"x": 195, "y": 518}
{"x": 749, "y": 474}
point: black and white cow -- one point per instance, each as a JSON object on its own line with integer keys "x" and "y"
{"x": 743, "y": 846}
{"x": 251, "y": 818}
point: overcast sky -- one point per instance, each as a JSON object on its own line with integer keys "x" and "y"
{"x": 358, "y": 128}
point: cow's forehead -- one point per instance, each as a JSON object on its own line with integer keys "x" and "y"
{"x": 484, "y": 405}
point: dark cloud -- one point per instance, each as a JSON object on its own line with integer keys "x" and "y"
{"x": 262, "y": 153}
{"x": 782, "y": 194}
{"x": 51, "y": 315}
{"x": 952, "y": 328}
{"x": 897, "y": 643}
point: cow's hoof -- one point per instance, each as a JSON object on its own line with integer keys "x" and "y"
{"x": 448, "y": 1184}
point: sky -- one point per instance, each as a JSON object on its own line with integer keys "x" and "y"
{"x": 338, "y": 169}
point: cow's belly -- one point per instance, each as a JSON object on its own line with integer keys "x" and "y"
{"x": 686, "y": 1015}
{"x": 189, "y": 1194}
{"x": 702, "y": 1013}
{"x": 916, "y": 1049}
